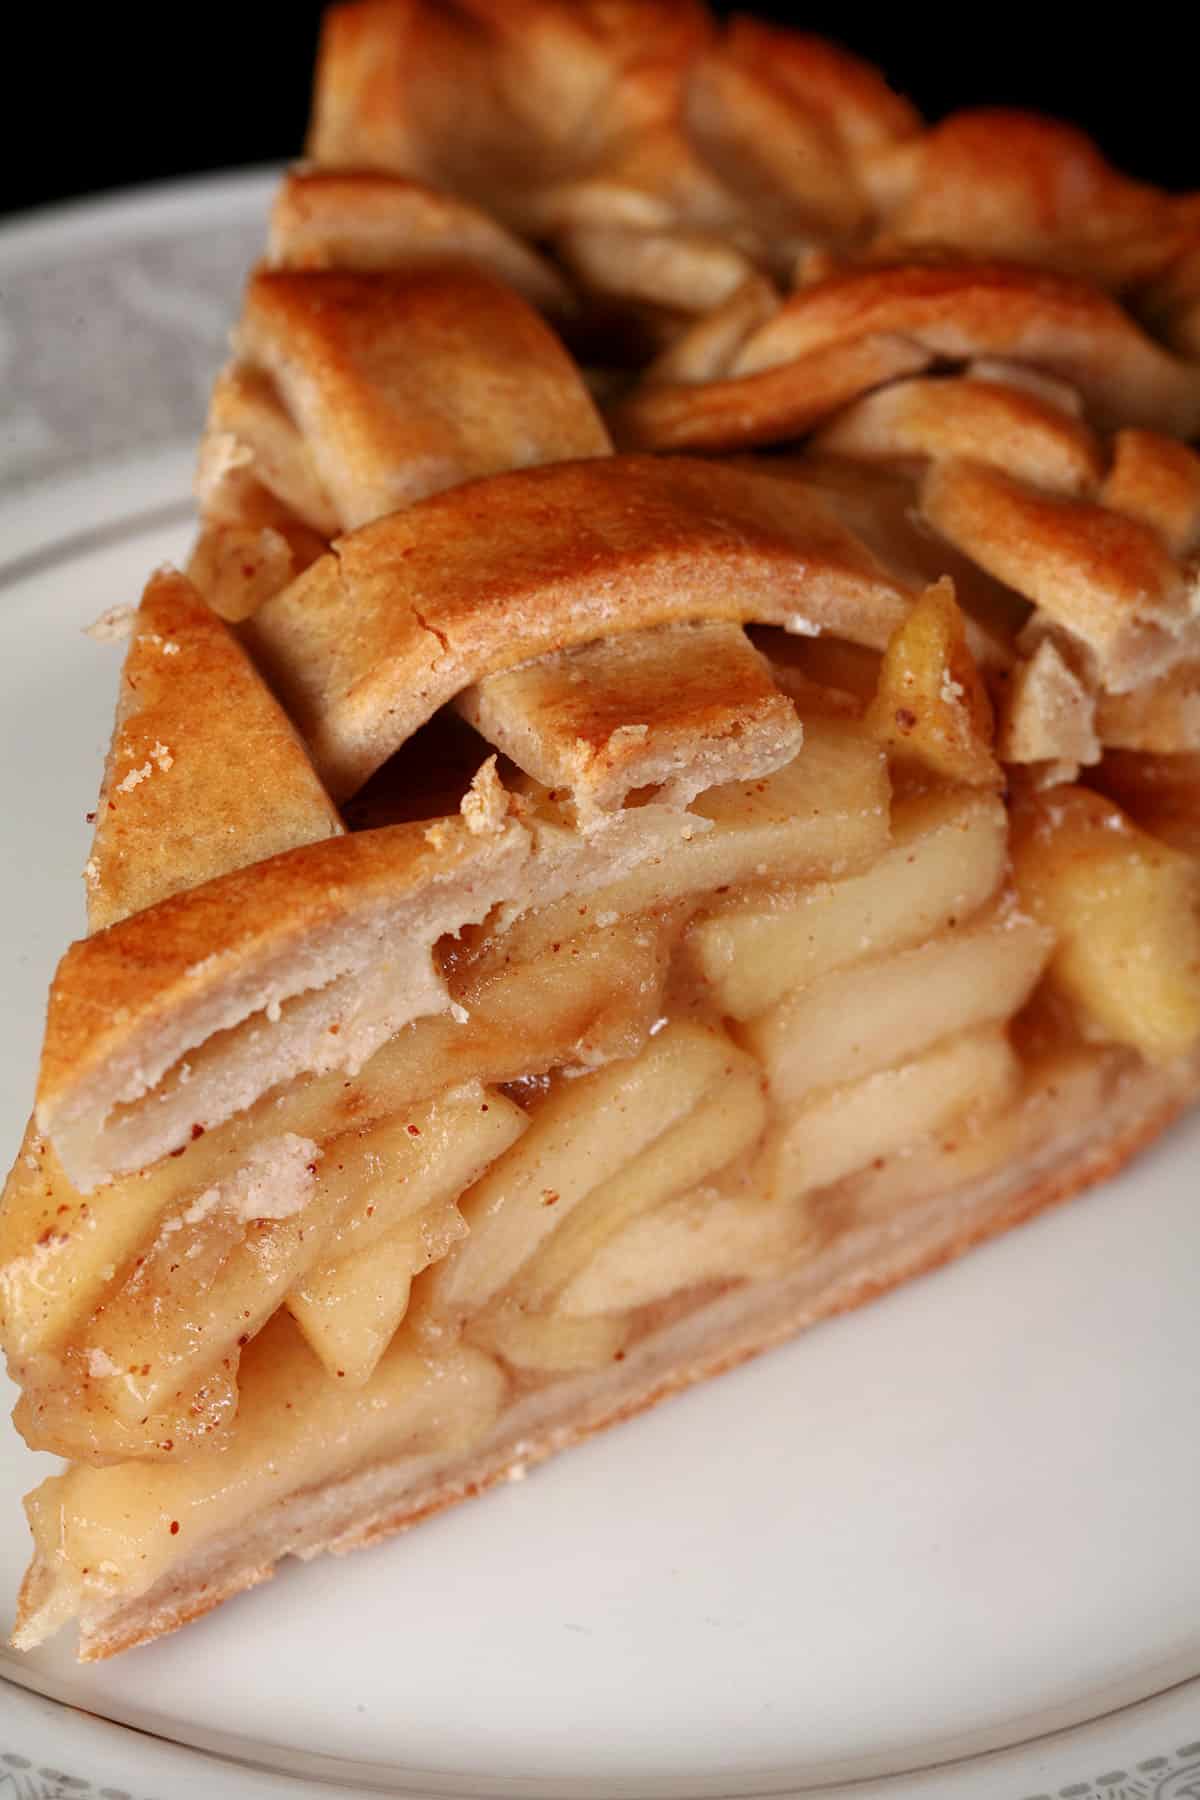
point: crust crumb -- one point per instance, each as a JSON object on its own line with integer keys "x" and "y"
{"x": 485, "y": 806}
{"x": 112, "y": 627}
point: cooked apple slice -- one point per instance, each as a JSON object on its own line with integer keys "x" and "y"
{"x": 846, "y": 1128}
{"x": 1061, "y": 1090}
{"x": 112, "y": 1531}
{"x": 547, "y": 1343}
{"x": 724, "y": 1129}
{"x": 72, "y": 1419}
{"x": 60, "y": 1251}
{"x": 823, "y": 814}
{"x": 860, "y": 1019}
{"x": 349, "y": 1310}
{"x": 931, "y": 707}
{"x": 216, "y": 1272}
{"x": 948, "y": 855}
{"x": 582, "y": 1135}
{"x": 1126, "y": 912}
{"x": 710, "y": 1234}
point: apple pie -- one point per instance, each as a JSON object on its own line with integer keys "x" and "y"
{"x": 665, "y": 802}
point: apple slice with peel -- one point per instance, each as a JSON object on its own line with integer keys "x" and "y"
{"x": 846, "y": 1128}
{"x": 583, "y": 1134}
{"x": 864, "y": 1018}
{"x": 948, "y": 856}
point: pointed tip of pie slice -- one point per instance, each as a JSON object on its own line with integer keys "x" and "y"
{"x": 182, "y": 1014}
{"x": 205, "y": 772}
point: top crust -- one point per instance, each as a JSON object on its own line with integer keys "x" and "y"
{"x": 306, "y": 962}
{"x": 678, "y": 710}
{"x": 406, "y": 383}
{"x": 404, "y": 615}
{"x": 330, "y": 219}
{"x": 999, "y": 183}
{"x": 964, "y": 310}
{"x": 205, "y": 772}
{"x": 501, "y": 103}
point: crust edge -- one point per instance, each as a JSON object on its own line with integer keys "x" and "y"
{"x": 300, "y": 1524}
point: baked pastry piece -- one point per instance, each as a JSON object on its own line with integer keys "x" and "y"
{"x": 567, "y": 911}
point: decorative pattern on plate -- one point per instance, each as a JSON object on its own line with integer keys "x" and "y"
{"x": 22, "y": 1779}
{"x": 1174, "y": 1777}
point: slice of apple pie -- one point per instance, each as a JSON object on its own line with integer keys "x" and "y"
{"x": 576, "y": 898}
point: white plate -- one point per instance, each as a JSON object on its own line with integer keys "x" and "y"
{"x": 900, "y": 1552}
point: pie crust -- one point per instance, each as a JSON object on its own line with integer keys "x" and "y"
{"x": 666, "y": 802}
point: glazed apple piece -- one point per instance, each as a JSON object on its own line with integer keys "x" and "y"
{"x": 948, "y": 856}
{"x": 823, "y": 814}
{"x": 931, "y": 707}
{"x": 1125, "y": 910}
{"x": 125, "y": 1382}
{"x": 584, "y": 1133}
{"x": 864, "y": 1018}
{"x": 712, "y": 1234}
{"x": 102, "y": 1532}
{"x": 723, "y": 1131}
{"x": 349, "y": 1310}
{"x": 845, "y": 1128}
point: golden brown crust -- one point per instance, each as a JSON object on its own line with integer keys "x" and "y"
{"x": 503, "y": 104}
{"x": 768, "y": 406}
{"x": 359, "y": 1512}
{"x": 588, "y": 616}
{"x": 1048, "y": 714}
{"x": 994, "y": 182}
{"x": 985, "y": 421}
{"x": 307, "y": 927}
{"x": 1107, "y": 580}
{"x": 255, "y": 466}
{"x": 205, "y": 772}
{"x": 368, "y": 220}
{"x": 1157, "y": 480}
{"x": 405, "y": 614}
{"x": 404, "y": 384}
{"x": 236, "y": 567}
{"x": 964, "y": 310}
{"x": 680, "y": 709}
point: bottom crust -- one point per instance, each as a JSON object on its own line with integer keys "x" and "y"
{"x": 727, "y": 1328}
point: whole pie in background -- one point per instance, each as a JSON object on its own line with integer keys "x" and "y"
{"x": 665, "y": 803}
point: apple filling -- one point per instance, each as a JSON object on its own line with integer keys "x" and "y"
{"x": 815, "y": 995}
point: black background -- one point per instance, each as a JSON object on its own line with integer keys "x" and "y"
{"x": 100, "y": 97}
